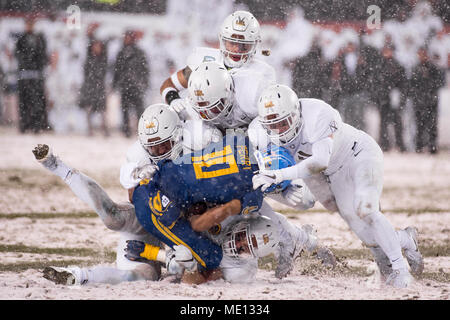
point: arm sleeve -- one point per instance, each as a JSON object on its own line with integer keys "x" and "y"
{"x": 321, "y": 153}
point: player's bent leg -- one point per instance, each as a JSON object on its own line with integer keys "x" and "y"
{"x": 367, "y": 177}
{"x": 293, "y": 240}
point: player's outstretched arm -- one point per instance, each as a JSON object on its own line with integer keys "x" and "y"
{"x": 215, "y": 215}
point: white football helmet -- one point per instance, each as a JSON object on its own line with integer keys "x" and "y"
{"x": 159, "y": 131}
{"x": 280, "y": 113}
{"x": 256, "y": 237}
{"x": 211, "y": 90}
{"x": 239, "y": 37}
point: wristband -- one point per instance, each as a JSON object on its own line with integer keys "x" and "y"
{"x": 170, "y": 95}
{"x": 176, "y": 82}
{"x": 150, "y": 252}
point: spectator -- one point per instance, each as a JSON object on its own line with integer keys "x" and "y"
{"x": 308, "y": 73}
{"x": 425, "y": 82}
{"x": 351, "y": 102}
{"x": 93, "y": 91}
{"x": 391, "y": 81}
{"x": 131, "y": 78}
{"x": 31, "y": 54}
{"x": 2, "y": 77}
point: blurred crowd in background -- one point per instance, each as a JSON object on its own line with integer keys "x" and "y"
{"x": 96, "y": 69}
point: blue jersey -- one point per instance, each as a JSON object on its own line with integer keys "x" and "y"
{"x": 217, "y": 174}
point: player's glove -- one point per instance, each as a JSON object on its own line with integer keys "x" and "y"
{"x": 265, "y": 178}
{"x": 180, "y": 259}
{"x": 179, "y": 106}
{"x": 135, "y": 251}
{"x": 294, "y": 194}
{"x": 145, "y": 172}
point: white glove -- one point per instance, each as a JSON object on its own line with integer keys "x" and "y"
{"x": 294, "y": 194}
{"x": 179, "y": 105}
{"x": 265, "y": 178}
{"x": 180, "y": 259}
{"x": 145, "y": 172}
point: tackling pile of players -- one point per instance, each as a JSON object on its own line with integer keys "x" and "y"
{"x": 226, "y": 138}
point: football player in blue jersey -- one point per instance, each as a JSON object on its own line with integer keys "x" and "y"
{"x": 160, "y": 218}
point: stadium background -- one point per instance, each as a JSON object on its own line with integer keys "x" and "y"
{"x": 168, "y": 30}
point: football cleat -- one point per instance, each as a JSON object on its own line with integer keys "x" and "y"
{"x": 41, "y": 151}
{"x": 327, "y": 257}
{"x": 289, "y": 252}
{"x": 399, "y": 278}
{"x": 67, "y": 276}
{"x": 43, "y": 154}
{"x": 414, "y": 257}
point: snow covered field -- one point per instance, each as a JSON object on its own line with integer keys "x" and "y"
{"x": 42, "y": 223}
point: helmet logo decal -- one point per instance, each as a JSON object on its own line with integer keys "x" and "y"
{"x": 152, "y": 126}
{"x": 268, "y": 104}
{"x": 240, "y": 24}
{"x": 198, "y": 92}
{"x": 240, "y": 21}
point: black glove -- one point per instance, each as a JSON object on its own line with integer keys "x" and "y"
{"x": 134, "y": 250}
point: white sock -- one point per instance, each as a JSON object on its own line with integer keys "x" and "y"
{"x": 387, "y": 238}
{"x": 108, "y": 275}
{"x": 57, "y": 167}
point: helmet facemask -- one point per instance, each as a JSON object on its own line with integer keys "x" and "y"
{"x": 239, "y": 243}
{"x": 213, "y": 111}
{"x": 282, "y": 130}
{"x": 253, "y": 238}
{"x": 236, "y": 50}
{"x": 168, "y": 148}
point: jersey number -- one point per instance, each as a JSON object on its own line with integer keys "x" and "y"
{"x": 215, "y": 164}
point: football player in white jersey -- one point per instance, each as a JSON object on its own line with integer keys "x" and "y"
{"x": 225, "y": 98}
{"x": 218, "y": 96}
{"x": 239, "y": 38}
{"x": 342, "y": 166}
{"x": 162, "y": 135}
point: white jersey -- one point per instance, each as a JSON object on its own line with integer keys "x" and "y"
{"x": 196, "y": 136}
{"x": 249, "y": 82}
{"x": 320, "y": 121}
